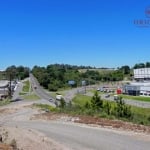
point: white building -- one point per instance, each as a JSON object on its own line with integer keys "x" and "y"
{"x": 142, "y": 87}
{"x": 142, "y": 74}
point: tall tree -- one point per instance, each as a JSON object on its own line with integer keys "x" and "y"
{"x": 125, "y": 69}
{"x": 96, "y": 102}
{"x": 147, "y": 65}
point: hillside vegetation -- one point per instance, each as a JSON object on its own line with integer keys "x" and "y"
{"x": 56, "y": 76}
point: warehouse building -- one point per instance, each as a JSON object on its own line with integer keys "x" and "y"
{"x": 131, "y": 90}
{"x": 142, "y": 74}
{"x": 141, "y": 85}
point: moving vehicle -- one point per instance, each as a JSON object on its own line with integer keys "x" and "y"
{"x": 108, "y": 95}
{"x": 116, "y": 97}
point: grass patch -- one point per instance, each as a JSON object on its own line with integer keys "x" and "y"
{"x": 31, "y": 97}
{"x": 26, "y": 86}
{"x": 22, "y": 93}
{"x": 45, "y": 107}
{"x": 81, "y": 100}
{"x": 4, "y": 102}
{"x": 141, "y": 115}
{"x": 82, "y": 106}
{"x": 139, "y": 98}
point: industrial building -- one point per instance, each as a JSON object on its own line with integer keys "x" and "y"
{"x": 142, "y": 74}
{"x": 141, "y": 85}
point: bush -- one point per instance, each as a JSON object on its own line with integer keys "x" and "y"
{"x": 96, "y": 102}
{"x": 122, "y": 110}
{"x": 62, "y": 103}
{"x": 52, "y": 87}
{"x": 107, "y": 108}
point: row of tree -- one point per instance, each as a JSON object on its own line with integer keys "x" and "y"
{"x": 57, "y": 76}
{"x": 142, "y": 65}
{"x": 14, "y": 72}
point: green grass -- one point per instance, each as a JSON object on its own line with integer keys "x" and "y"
{"x": 61, "y": 92}
{"x": 81, "y": 100}
{"x": 26, "y": 86}
{"x": 22, "y": 93}
{"x": 141, "y": 115}
{"x": 139, "y": 98}
{"x": 45, "y": 107}
{"x": 53, "y": 94}
{"x": 31, "y": 97}
{"x": 4, "y": 102}
{"x": 106, "y": 71}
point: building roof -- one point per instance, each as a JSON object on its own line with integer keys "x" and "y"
{"x": 140, "y": 83}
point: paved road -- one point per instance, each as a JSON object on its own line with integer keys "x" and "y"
{"x": 77, "y": 136}
{"x": 39, "y": 90}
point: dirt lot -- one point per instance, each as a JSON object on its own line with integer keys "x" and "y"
{"x": 21, "y": 139}
{"x": 94, "y": 121}
{"x": 15, "y": 138}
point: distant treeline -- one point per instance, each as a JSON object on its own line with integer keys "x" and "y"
{"x": 57, "y": 76}
{"x": 16, "y": 73}
{"x": 142, "y": 65}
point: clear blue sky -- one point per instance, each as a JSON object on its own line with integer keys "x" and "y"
{"x": 98, "y": 33}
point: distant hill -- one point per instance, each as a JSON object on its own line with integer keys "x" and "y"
{"x": 100, "y": 70}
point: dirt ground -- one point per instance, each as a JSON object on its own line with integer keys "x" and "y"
{"x": 15, "y": 138}
{"x": 31, "y": 140}
{"x": 94, "y": 121}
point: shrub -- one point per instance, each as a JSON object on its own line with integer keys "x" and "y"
{"x": 122, "y": 110}
{"x": 107, "y": 108}
{"x": 96, "y": 102}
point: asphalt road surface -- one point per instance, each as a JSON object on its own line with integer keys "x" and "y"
{"x": 38, "y": 89}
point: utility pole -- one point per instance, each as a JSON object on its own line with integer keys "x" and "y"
{"x": 9, "y": 88}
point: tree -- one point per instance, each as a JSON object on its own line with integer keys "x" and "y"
{"x": 147, "y": 65}
{"x": 125, "y": 69}
{"x": 108, "y": 108}
{"x": 140, "y": 65}
{"x": 123, "y": 110}
{"x": 62, "y": 103}
{"x": 10, "y": 75}
{"x": 96, "y": 102}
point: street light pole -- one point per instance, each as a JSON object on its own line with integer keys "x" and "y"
{"x": 9, "y": 88}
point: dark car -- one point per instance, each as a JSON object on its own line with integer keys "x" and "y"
{"x": 108, "y": 95}
{"x": 50, "y": 100}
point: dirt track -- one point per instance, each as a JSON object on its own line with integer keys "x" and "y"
{"x": 36, "y": 130}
